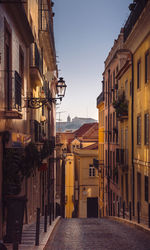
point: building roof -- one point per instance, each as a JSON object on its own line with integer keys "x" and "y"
{"x": 84, "y": 128}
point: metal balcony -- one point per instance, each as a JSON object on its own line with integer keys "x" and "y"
{"x": 13, "y": 95}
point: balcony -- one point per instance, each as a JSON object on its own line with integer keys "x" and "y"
{"x": 36, "y": 66}
{"x": 46, "y": 36}
{"x": 100, "y": 98}
{"x": 136, "y": 10}
{"x": 13, "y": 98}
{"x": 122, "y": 158}
{"x": 121, "y": 106}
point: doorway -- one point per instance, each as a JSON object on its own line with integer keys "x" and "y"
{"x": 92, "y": 207}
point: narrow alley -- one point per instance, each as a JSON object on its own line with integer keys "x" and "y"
{"x": 94, "y": 234}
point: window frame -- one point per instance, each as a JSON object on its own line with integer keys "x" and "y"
{"x": 147, "y": 65}
{"x": 92, "y": 172}
{"x": 139, "y": 74}
{"x": 139, "y": 130}
{"x": 146, "y": 128}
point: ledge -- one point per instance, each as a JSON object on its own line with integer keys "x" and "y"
{"x": 10, "y": 114}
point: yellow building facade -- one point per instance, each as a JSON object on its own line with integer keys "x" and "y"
{"x": 124, "y": 116}
{"x": 86, "y": 183}
{"x": 139, "y": 45}
{"x": 100, "y": 107}
{"x": 69, "y": 185}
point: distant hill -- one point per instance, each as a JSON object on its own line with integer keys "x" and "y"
{"x": 76, "y": 123}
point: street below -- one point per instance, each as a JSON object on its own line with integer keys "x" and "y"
{"x": 92, "y": 234}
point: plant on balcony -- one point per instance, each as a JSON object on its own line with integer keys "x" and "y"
{"x": 121, "y": 106}
{"x": 19, "y": 164}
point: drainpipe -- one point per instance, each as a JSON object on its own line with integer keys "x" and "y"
{"x": 108, "y": 174}
{"x": 132, "y": 131}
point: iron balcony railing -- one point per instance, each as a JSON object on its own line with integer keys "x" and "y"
{"x": 13, "y": 83}
{"x": 36, "y": 59}
{"x": 136, "y": 10}
{"x": 18, "y": 88}
{"x": 100, "y": 98}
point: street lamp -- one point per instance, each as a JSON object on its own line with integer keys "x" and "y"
{"x": 38, "y": 102}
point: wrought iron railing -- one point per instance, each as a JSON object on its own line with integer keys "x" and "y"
{"x": 18, "y": 87}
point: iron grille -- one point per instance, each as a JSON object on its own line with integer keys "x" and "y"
{"x": 18, "y": 87}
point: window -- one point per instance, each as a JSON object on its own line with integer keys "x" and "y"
{"x": 110, "y": 127}
{"x": 106, "y": 160}
{"x": 110, "y": 165}
{"x": 146, "y": 129}
{"x": 138, "y": 74}
{"x": 114, "y": 165}
{"x": 114, "y": 79}
{"x": 126, "y": 89}
{"x": 106, "y": 129}
{"x": 146, "y": 188}
{"x": 106, "y": 93}
{"x": 8, "y": 65}
{"x": 113, "y": 126}
{"x": 147, "y": 66}
{"x": 91, "y": 171}
{"x": 130, "y": 88}
{"x": 139, "y": 130}
{"x": 110, "y": 89}
{"x": 117, "y": 131}
{"x": 21, "y": 67}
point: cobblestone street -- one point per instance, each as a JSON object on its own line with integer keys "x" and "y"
{"x": 92, "y": 234}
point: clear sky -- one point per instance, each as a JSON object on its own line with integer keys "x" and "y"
{"x": 84, "y": 34}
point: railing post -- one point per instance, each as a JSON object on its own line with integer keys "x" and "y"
{"x": 50, "y": 219}
{"x": 118, "y": 209}
{"x": 138, "y": 211}
{"x": 149, "y": 215}
{"x": 45, "y": 219}
{"x": 37, "y": 227}
{"x": 130, "y": 211}
{"x": 16, "y": 236}
{"x": 123, "y": 209}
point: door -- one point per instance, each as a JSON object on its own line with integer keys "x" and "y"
{"x": 92, "y": 207}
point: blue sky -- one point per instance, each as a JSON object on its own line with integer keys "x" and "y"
{"x": 84, "y": 34}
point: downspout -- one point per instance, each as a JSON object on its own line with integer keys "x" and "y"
{"x": 132, "y": 131}
{"x": 108, "y": 174}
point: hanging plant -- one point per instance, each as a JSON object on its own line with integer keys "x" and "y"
{"x": 18, "y": 164}
{"x": 121, "y": 106}
{"x": 12, "y": 174}
{"x": 30, "y": 161}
